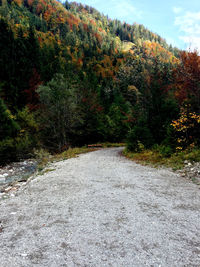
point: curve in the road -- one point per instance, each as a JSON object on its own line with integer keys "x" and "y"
{"x": 101, "y": 209}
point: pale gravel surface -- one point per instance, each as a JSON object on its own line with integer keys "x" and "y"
{"x": 101, "y": 209}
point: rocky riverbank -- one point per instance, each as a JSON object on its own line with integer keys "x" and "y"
{"x": 191, "y": 171}
{"x": 13, "y": 175}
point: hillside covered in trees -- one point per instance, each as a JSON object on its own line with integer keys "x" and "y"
{"x": 70, "y": 76}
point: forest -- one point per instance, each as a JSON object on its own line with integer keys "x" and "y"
{"x": 70, "y": 76}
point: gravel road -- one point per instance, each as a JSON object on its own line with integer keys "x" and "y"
{"x": 101, "y": 209}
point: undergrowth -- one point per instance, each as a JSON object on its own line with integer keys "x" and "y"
{"x": 105, "y": 145}
{"x": 44, "y": 158}
{"x": 156, "y": 158}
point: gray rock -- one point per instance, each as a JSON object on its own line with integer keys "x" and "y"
{"x": 2, "y": 180}
{"x": 7, "y": 189}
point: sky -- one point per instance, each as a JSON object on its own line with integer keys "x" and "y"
{"x": 177, "y": 21}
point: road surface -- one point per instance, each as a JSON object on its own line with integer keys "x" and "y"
{"x": 101, "y": 209}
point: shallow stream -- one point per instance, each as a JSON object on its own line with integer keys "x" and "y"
{"x": 17, "y": 172}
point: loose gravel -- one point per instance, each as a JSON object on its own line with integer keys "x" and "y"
{"x": 101, "y": 209}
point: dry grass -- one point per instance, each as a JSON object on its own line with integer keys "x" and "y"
{"x": 155, "y": 158}
{"x": 44, "y": 158}
{"x": 127, "y": 46}
{"x": 105, "y": 145}
{"x": 72, "y": 153}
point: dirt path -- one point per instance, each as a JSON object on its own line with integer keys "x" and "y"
{"x": 101, "y": 209}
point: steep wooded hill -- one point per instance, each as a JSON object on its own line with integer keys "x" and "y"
{"x": 71, "y": 76}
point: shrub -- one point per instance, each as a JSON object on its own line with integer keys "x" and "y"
{"x": 59, "y": 115}
{"x": 19, "y": 145}
{"x": 138, "y": 138}
{"x": 7, "y": 150}
{"x": 8, "y": 125}
{"x": 165, "y": 151}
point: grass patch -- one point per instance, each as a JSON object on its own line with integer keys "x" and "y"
{"x": 71, "y": 153}
{"x": 105, "y": 145}
{"x": 156, "y": 158}
{"x": 44, "y": 158}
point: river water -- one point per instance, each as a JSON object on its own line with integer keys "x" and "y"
{"x": 16, "y": 172}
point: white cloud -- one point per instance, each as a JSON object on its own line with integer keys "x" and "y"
{"x": 171, "y": 41}
{"x": 192, "y": 42}
{"x": 189, "y": 25}
{"x": 177, "y": 10}
{"x": 121, "y": 9}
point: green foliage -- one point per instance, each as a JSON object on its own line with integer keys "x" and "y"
{"x": 117, "y": 120}
{"x": 144, "y": 81}
{"x": 165, "y": 150}
{"x": 156, "y": 157}
{"x": 139, "y": 137}
{"x": 59, "y": 112}
{"x": 8, "y": 125}
{"x": 19, "y": 140}
{"x": 12, "y": 149}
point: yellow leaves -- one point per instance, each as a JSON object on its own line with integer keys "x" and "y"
{"x": 185, "y": 121}
{"x": 195, "y": 117}
{"x": 46, "y": 38}
{"x": 9, "y": 114}
{"x": 154, "y": 49}
{"x": 185, "y": 127}
{"x": 132, "y": 88}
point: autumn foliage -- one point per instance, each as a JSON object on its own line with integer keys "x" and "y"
{"x": 118, "y": 80}
{"x": 187, "y": 80}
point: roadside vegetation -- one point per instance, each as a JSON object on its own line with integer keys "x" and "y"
{"x": 43, "y": 157}
{"x": 158, "y": 157}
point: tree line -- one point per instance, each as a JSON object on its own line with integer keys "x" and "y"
{"x": 66, "y": 81}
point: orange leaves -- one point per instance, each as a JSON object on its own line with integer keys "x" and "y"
{"x": 39, "y": 8}
{"x": 53, "y": 12}
{"x": 72, "y": 20}
{"x": 85, "y": 27}
{"x": 101, "y": 30}
{"x": 79, "y": 63}
{"x": 187, "y": 78}
{"x": 98, "y": 37}
{"x": 105, "y": 68}
{"x": 46, "y": 38}
{"x": 47, "y": 15}
{"x": 18, "y": 2}
{"x": 31, "y": 95}
{"x": 154, "y": 49}
{"x": 93, "y": 22}
{"x": 30, "y": 2}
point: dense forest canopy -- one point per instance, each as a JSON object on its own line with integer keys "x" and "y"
{"x": 71, "y": 76}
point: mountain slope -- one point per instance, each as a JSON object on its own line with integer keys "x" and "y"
{"x": 97, "y": 77}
